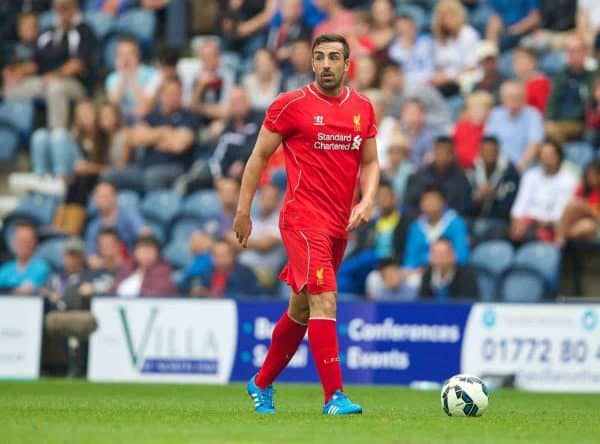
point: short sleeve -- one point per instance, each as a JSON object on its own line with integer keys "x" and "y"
{"x": 372, "y": 128}
{"x": 278, "y": 118}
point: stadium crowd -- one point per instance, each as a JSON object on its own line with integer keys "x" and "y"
{"x": 488, "y": 114}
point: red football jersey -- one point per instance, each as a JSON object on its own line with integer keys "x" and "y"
{"x": 322, "y": 140}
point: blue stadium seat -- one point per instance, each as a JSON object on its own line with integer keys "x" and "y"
{"x": 9, "y": 142}
{"x": 178, "y": 254}
{"x": 18, "y": 114}
{"x": 138, "y": 23}
{"x": 552, "y": 63}
{"x": 46, "y": 20}
{"x": 543, "y": 258}
{"x": 109, "y": 52}
{"x": 579, "y": 152}
{"x": 36, "y": 207}
{"x": 202, "y": 204}
{"x": 100, "y": 23}
{"x": 183, "y": 228}
{"x": 417, "y": 13}
{"x": 521, "y": 285}
{"x": 489, "y": 260}
{"x": 52, "y": 251}
{"x": 161, "y": 206}
{"x": 158, "y": 230}
{"x": 505, "y": 64}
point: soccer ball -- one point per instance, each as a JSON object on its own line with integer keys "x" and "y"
{"x": 464, "y": 395}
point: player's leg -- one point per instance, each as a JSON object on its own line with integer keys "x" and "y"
{"x": 322, "y": 339}
{"x": 287, "y": 336}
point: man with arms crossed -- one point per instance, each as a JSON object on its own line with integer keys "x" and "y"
{"x": 328, "y": 135}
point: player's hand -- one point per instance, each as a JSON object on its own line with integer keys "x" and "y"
{"x": 361, "y": 214}
{"x": 242, "y": 227}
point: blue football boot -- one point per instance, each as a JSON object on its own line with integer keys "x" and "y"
{"x": 262, "y": 399}
{"x": 339, "y": 404}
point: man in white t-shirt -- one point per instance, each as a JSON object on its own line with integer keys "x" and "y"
{"x": 132, "y": 85}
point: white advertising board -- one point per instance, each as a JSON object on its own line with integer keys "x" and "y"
{"x": 20, "y": 337}
{"x": 163, "y": 340}
{"x": 547, "y": 347}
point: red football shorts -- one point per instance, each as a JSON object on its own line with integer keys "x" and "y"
{"x": 313, "y": 260}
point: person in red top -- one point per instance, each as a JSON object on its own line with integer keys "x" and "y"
{"x": 537, "y": 86}
{"x": 468, "y": 131}
{"x": 328, "y": 135}
{"x": 581, "y": 219}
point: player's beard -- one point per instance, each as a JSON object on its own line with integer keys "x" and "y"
{"x": 329, "y": 83}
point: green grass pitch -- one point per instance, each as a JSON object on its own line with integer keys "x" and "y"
{"x": 61, "y": 411}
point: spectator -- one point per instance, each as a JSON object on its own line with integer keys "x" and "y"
{"x": 543, "y": 195}
{"x": 148, "y": 275}
{"x": 592, "y": 116}
{"x": 387, "y": 125}
{"x": 454, "y": 46}
{"x": 382, "y": 28}
{"x": 468, "y": 131}
{"x": 421, "y": 135}
{"x": 398, "y": 167}
{"x": 227, "y": 277}
{"x": 556, "y": 19}
{"x": 412, "y": 51}
{"x": 511, "y": 21}
{"x": 537, "y": 85}
{"x": 55, "y": 152}
{"x": 444, "y": 173}
{"x": 167, "y": 59}
{"x": 132, "y": 85}
{"x": 365, "y": 77}
{"x": 291, "y": 28}
{"x": 263, "y": 83}
{"x": 311, "y": 14}
{"x": 491, "y": 78}
{"x": 572, "y": 88}
{"x": 232, "y": 150}
{"x": 264, "y": 253}
{"x": 126, "y": 221}
{"x": 26, "y": 274}
{"x": 70, "y": 321}
{"x": 244, "y": 25}
{"x": 581, "y": 218}
{"x": 495, "y": 182}
{"x": 360, "y": 40}
{"x": 518, "y": 127}
{"x": 213, "y": 83}
{"x": 228, "y": 191}
{"x": 62, "y": 65}
{"x": 338, "y": 19}
{"x": 162, "y": 143}
{"x": 300, "y": 72}
{"x": 588, "y": 19}
{"x": 112, "y": 7}
{"x": 112, "y": 129}
{"x": 436, "y": 221}
{"x": 201, "y": 245}
{"x": 444, "y": 278}
{"x": 398, "y": 89}
{"x": 22, "y": 53}
{"x": 109, "y": 259}
{"x": 390, "y": 284}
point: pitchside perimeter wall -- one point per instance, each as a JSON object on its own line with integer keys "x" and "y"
{"x": 546, "y": 347}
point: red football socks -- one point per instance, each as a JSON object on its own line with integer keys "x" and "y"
{"x": 287, "y": 336}
{"x": 322, "y": 339}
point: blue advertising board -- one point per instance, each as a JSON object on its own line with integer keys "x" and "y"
{"x": 379, "y": 343}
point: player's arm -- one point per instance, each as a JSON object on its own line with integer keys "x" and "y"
{"x": 369, "y": 180}
{"x": 266, "y": 144}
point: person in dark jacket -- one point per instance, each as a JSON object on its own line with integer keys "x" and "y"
{"x": 226, "y": 277}
{"x": 572, "y": 88}
{"x": 495, "y": 182}
{"x": 443, "y": 172}
{"x": 147, "y": 275}
{"x": 444, "y": 278}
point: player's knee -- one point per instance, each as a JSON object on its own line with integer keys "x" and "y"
{"x": 299, "y": 314}
{"x": 323, "y": 305}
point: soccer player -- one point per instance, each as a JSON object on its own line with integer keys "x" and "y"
{"x": 328, "y": 136}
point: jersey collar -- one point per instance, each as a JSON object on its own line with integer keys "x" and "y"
{"x": 312, "y": 88}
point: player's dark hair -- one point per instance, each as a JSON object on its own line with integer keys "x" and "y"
{"x": 558, "y": 148}
{"x": 490, "y": 139}
{"x": 332, "y": 38}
